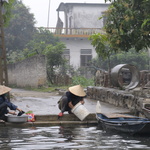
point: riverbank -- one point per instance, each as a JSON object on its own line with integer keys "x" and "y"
{"x": 45, "y": 103}
{"x": 136, "y": 101}
{"x": 45, "y": 108}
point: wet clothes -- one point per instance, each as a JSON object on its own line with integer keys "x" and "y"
{"x": 65, "y": 99}
{"x": 4, "y": 104}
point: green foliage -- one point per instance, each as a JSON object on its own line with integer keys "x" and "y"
{"x": 50, "y": 88}
{"x": 54, "y": 59}
{"x": 102, "y": 47}
{"x": 140, "y": 60}
{"x": 54, "y": 54}
{"x": 101, "y": 44}
{"x": 7, "y": 11}
{"x": 46, "y": 36}
{"x": 128, "y": 24}
{"x": 82, "y": 81}
{"x": 21, "y": 27}
{"x": 14, "y": 56}
{"x": 41, "y": 39}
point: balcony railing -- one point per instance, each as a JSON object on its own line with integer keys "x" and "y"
{"x": 75, "y": 32}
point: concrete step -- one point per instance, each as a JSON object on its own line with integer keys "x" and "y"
{"x": 52, "y": 120}
{"x": 65, "y": 117}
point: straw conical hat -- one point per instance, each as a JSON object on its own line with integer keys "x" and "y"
{"x": 77, "y": 90}
{"x": 4, "y": 89}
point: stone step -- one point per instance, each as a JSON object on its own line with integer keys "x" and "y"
{"x": 65, "y": 117}
{"x": 52, "y": 120}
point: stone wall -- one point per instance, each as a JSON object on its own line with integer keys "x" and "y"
{"x": 119, "y": 98}
{"x": 28, "y": 73}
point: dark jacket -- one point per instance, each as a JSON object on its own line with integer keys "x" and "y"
{"x": 4, "y": 103}
{"x": 73, "y": 98}
{"x": 66, "y": 98}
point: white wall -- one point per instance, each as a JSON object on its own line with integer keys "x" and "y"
{"x": 75, "y": 45}
{"x": 87, "y": 16}
{"x": 82, "y": 16}
{"x": 30, "y": 72}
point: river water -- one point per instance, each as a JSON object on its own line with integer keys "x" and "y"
{"x": 69, "y": 138}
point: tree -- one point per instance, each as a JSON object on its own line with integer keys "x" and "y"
{"x": 101, "y": 44}
{"x": 54, "y": 59}
{"x": 128, "y": 24}
{"x": 41, "y": 39}
{"x": 21, "y": 27}
{"x": 7, "y": 11}
{"x": 139, "y": 59}
{"x": 102, "y": 47}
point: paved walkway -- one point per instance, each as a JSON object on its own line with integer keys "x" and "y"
{"x": 44, "y": 103}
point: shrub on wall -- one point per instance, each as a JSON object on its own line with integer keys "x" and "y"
{"x": 82, "y": 81}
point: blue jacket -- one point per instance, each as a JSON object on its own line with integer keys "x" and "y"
{"x": 3, "y": 99}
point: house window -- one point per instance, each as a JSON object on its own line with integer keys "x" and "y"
{"x": 66, "y": 55}
{"x": 85, "y": 56}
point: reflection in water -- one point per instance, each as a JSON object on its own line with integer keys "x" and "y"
{"x": 68, "y": 138}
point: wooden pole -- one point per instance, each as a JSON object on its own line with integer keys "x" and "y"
{"x": 3, "y": 63}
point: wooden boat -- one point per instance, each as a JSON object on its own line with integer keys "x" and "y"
{"x": 124, "y": 123}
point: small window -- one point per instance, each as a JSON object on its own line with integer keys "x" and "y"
{"x": 66, "y": 55}
{"x": 66, "y": 52}
{"x": 85, "y": 56}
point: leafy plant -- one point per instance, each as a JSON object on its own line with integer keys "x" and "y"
{"x": 82, "y": 81}
{"x": 128, "y": 24}
{"x": 54, "y": 59}
{"x": 140, "y": 60}
{"x": 21, "y": 28}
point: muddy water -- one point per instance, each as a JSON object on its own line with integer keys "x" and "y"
{"x": 69, "y": 138}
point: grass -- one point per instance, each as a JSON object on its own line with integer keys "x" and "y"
{"x": 48, "y": 89}
{"x": 84, "y": 82}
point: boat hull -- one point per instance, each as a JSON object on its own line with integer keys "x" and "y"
{"x": 125, "y": 124}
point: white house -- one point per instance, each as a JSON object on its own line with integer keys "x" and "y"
{"x": 79, "y": 21}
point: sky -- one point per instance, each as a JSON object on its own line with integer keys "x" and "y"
{"x": 40, "y": 9}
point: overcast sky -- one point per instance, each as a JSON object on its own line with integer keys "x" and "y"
{"x": 40, "y": 9}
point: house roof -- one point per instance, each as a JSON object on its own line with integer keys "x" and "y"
{"x": 62, "y": 5}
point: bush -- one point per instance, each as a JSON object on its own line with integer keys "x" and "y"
{"x": 82, "y": 81}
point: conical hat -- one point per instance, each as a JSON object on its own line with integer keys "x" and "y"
{"x": 77, "y": 90}
{"x": 4, "y": 89}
